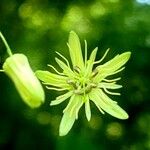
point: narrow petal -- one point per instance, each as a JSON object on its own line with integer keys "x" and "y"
{"x": 61, "y": 98}
{"x": 52, "y": 79}
{"x": 109, "y": 85}
{"x": 111, "y": 66}
{"x": 105, "y": 103}
{"x": 117, "y": 61}
{"x": 66, "y": 124}
{"x": 90, "y": 62}
{"x": 70, "y": 114}
{"x": 66, "y": 69}
{"x": 87, "y": 109}
{"x": 106, "y": 98}
{"x": 97, "y": 104}
{"x": 75, "y": 50}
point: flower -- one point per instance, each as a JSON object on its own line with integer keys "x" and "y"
{"x": 84, "y": 84}
{"x": 17, "y": 67}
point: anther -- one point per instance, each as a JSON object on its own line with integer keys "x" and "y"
{"x": 94, "y": 73}
{"x": 71, "y": 82}
{"x": 77, "y": 69}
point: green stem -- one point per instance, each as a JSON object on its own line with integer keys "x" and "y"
{"x": 6, "y": 44}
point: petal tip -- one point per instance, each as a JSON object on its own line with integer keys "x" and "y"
{"x": 72, "y": 32}
{"x": 61, "y": 133}
{"x": 124, "y": 116}
{"x": 38, "y": 73}
{"x": 128, "y": 54}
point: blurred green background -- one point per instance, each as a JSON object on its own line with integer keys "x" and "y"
{"x": 38, "y": 28}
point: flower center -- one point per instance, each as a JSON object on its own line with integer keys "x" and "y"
{"x": 81, "y": 84}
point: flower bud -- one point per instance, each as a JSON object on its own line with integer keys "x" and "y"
{"x": 18, "y": 69}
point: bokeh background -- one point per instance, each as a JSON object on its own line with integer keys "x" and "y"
{"x": 38, "y": 28}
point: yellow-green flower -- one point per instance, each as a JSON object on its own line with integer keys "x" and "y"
{"x": 17, "y": 67}
{"x": 83, "y": 83}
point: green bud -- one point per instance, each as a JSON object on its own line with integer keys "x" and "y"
{"x": 18, "y": 69}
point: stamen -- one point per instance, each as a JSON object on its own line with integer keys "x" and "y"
{"x": 111, "y": 93}
{"x": 85, "y": 89}
{"x": 63, "y": 58}
{"x": 71, "y": 82}
{"x": 55, "y": 69}
{"x": 93, "y": 85}
{"x": 79, "y": 92}
{"x": 88, "y": 89}
{"x": 97, "y": 62}
{"x": 77, "y": 69}
{"x": 94, "y": 73}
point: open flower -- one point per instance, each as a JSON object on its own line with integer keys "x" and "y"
{"x": 82, "y": 83}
